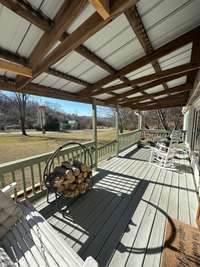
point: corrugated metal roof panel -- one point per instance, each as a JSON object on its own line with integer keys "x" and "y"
{"x": 35, "y": 3}
{"x": 155, "y": 89}
{"x": 51, "y": 7}
{"x": 177, "y": 82}
{"x": 161, "y": 96}
{"x": 166, "y": 20}
{"x": 144, "y": 101}
{"x": 12, "y": 29}
{"x": 116, "y": 43}
{"x": 178, "y": 57}
{"x": 72, "y": 87}
{"x": 30, "y": 41}
{"x": 134, "y": 95}
{"x": 103, "y": 96}
{"x": 123, "y": 90}
{"x": 93, "y": 74}
{"x": 146, "y": 70}
{"x": 86, "y": 13}
{"x": 40, "y": 78}
{"x": 115, "y": 82}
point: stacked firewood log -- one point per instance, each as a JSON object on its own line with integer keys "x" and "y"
{"x": 71, "y": 179}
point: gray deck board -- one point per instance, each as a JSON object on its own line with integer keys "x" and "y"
{"x": 121, "y": 221}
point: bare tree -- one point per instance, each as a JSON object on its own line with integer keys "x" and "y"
{"x": 162, "y": 118}
{"x": 21, "y": 102}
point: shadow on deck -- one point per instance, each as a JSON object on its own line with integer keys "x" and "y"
{"x": 121, "y": 221}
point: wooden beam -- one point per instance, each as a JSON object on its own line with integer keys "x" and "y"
{"x": 158, "y": 53}
{"x": 10, "y": 56}
{"x": 25, "y": 10}
{"x": 158, "y": 106}
{"x": 67, "y": 77}
{"x": 182, "y": 69}
{"x": 166, "y": 100}
{"x": 90, "y": 26}
{"x": 175, "y": 89}
{"x": 19, "y": 69}
{"x": 195, "y": 58}
{"x": 102, "y": 7}
{"x": 40, "y": 90}
{"x": 136, "y": 23}
{"x": 63, "y": 19}
{"x": 141, "y": 89}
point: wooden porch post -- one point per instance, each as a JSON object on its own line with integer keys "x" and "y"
{"x": 117, "y": 129}
{"x": 139, "y": 121}
{"x": 94, "y": 126}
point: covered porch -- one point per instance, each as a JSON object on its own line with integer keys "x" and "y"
{"x": 120, "y": 54}
{"x": 121, "y": 221}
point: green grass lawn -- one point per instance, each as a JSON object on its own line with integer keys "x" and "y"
{"x": 14, "y": 146}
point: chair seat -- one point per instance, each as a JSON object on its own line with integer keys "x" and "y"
{"x": 33, "y": 242}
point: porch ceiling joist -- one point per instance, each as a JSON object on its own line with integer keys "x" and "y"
{"x": 195, "y": 58}
{"x": 158, "y": 53}
{"x": 67, "y": 77}
{"x": 137, "y": 25}
{"x": 182, "y": 69}
{"x": 40, "y": 90}
{"x": 19, "y": 69}
{"x": 102, "y": 7}
{"x": 162, "y": 106}
{"x": 63, "y": 19}
{"x": 93, "y": 24}
{"x": 175, "y": 89}
{"x": 25, "y": 10}
{"x": 181, "y": 97}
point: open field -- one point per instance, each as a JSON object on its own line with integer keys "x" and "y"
{"x": 14, "y": 146}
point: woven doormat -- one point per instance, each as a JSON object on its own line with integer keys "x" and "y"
{"x": 182, "y": 245}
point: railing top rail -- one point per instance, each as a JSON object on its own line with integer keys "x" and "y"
{"x": 129, "y": 133}
{"x": 25, "y": 162}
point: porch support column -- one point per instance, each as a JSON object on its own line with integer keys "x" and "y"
{"x": 94, "y": 126}
{"x": 117, "y": 129}
{"x": 139, "y": 121}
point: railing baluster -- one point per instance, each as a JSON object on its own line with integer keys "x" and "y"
{"x": 40, "y": 175}
{"x": 32, "y": 180}
{"x": 24, "y": 182}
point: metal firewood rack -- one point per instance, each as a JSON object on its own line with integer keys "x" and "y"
{"x": 85, "y": 153}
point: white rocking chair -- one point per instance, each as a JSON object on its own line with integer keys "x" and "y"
{"x": 162, "y": 155}
{"x": 32, "y": 241}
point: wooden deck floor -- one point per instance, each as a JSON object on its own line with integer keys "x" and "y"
{"x": 121, "y": 221}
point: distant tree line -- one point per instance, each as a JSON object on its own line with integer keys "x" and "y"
{"x": 20, "y": 111}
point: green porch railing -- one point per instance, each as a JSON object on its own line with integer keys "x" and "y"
{"x": 28, "y": 172}
{"x": 154, "y": 134}
{"x": 128, "y": 139}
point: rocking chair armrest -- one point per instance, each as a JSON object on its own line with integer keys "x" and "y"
{"x": 90, "y": 262}
{"x": 9, "y": 188}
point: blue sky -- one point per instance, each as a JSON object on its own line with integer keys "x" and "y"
{"x": 69, "y": 106}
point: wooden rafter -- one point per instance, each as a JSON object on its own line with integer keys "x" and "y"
{"x": 162, "y": 106}
{"x": 90, "y": 26}
{"x": 67, "y": 77}
{"x": 140, "y": 89}
{"x": 7, "y": 55}
{"x": 175, "y": 89}
{"x": 63, "y": 19}
{"x": 19, "y": 69}
{"x": 25, "y": 10}
{"x": 164, "y": 100}
{"x": 195, "y": 58}
{"x": 102, "y": 7}
{"x": 158, "y": 53}
{"x": 137, "y": 25}
{"x": 163, "y": 76}
{"x": 39, "y": 90}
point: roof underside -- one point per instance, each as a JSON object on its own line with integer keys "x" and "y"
{"x": 115, "y": 64}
